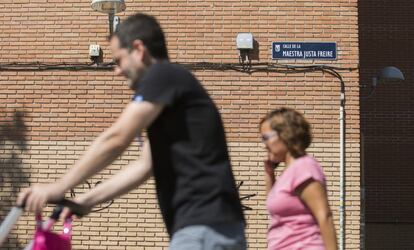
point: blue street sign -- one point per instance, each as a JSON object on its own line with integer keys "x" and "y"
{"x": 310, "y": 51}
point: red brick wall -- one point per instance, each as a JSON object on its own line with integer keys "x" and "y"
{"x": 61, "y": 112}
{"x": 386, "y": 38}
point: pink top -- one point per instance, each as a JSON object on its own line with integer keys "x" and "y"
{"x": 292, "y": 225}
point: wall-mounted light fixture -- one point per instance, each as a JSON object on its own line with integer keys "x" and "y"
{"x": 388, "y": 74}
{"x": 110, "y": 7}
{"x": 244, "y": 43}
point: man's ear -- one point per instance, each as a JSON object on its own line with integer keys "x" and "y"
{"x": 138, "y": 45}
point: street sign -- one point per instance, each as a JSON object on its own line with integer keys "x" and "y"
{"x": 308, "y": 51}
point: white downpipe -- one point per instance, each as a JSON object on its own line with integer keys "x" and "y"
{"x": 341, "y": 171}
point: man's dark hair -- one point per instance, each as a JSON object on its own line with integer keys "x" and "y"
{"x": 145, "y": 28}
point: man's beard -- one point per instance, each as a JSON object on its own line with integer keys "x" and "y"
{"x": 132, "y": 84}
{"x": 132, "y": 80}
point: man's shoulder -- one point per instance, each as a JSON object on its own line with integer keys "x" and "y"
{"x": 169, "y": 67}
{"x": 164, "y": 71}
{"x": 174, "y": 73}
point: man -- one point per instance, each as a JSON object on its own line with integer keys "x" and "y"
{"x": 186, "y": 151}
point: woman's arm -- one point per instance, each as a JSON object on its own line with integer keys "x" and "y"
{"x": 269, "y": 168}
{"x": 313, "y": 194}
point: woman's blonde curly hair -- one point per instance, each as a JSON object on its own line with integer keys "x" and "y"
{"x": 293, "y": 129}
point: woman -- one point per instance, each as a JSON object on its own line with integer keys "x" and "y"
{"x": 300, "y": 217}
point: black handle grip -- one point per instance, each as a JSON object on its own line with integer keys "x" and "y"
{"x": 56, "y": 212}
{"x": 75, "y": 208}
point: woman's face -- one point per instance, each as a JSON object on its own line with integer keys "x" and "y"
{"x": 275, "y": 147}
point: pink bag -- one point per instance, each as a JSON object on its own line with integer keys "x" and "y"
{"x": 45, "y": 239}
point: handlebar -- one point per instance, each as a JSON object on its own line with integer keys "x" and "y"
{"x": 75, "y": 208}
{"x": 13, "y": 216}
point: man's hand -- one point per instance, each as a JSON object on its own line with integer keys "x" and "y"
{"x": 36, "y": 197}
{"x": 82, "y": 201}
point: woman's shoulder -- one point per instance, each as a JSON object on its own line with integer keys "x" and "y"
{"x": 308, "y": 163}
{"x": 307, "y": 160}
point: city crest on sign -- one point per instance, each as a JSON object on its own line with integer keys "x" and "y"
{"x": 277, "y": 47}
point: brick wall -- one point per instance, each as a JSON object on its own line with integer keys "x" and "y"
{"x": 386, "y": 37}
{"x": 49, "y": 118}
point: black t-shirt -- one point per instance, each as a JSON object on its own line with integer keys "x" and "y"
{"x": 191, "y": 165}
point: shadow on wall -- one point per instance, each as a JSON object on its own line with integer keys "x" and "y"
{"x": 12, "y": 177}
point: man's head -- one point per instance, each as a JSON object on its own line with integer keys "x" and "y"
{"x": 138, "y": 42}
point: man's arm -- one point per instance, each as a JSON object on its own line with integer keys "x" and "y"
{"x": 106, "y": 148}
{"x": 123, "y": 182}
{"x": 112, "y": 143}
